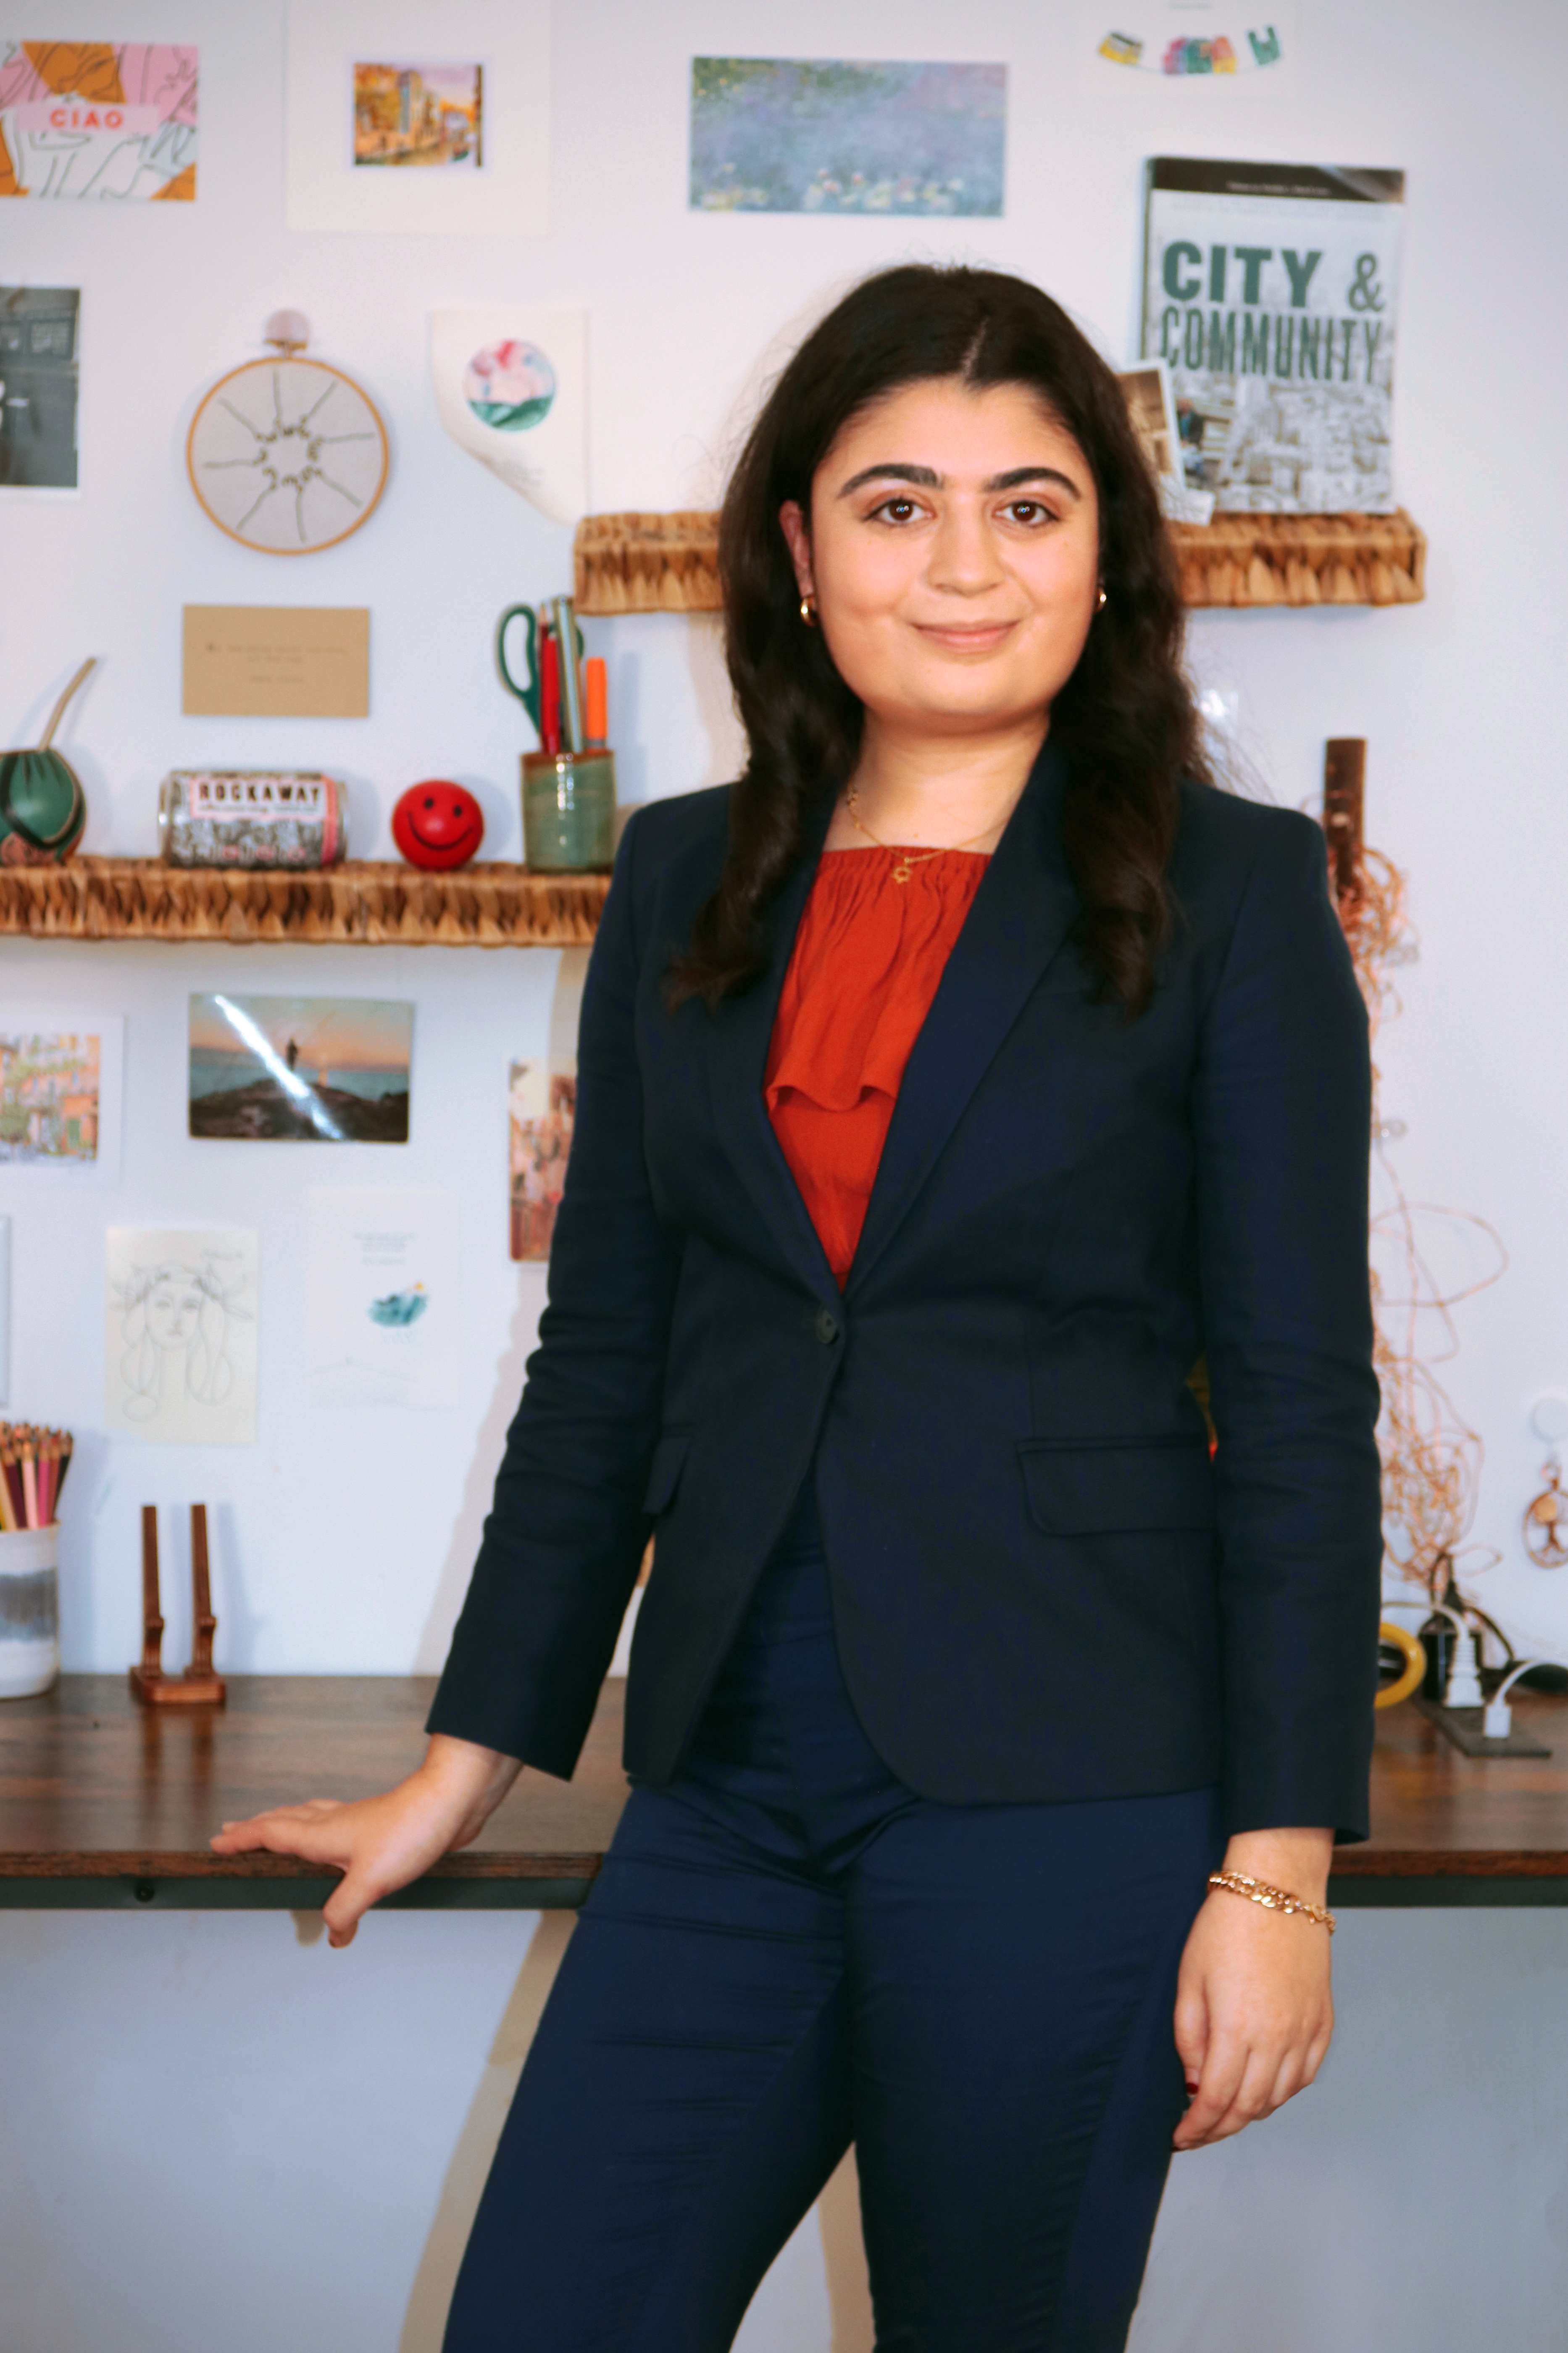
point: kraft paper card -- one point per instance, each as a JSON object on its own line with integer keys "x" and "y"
{"x": 276, "y": 661}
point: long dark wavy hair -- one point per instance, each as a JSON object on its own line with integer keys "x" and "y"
{"x": 1125, "y": 719}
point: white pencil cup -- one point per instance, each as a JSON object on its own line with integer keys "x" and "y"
{"x": 29, "y": 1611}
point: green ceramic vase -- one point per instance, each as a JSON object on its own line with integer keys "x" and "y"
{"x": 43, "y": 808}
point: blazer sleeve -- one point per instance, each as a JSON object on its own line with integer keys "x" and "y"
{"x": 1283, "y": 1106}
{"x": 566, "y": 1529}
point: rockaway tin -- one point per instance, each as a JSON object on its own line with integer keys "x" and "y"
{"x": 240, "y": 816}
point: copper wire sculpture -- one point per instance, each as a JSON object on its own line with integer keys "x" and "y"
{"x": 1431, "y": 1457}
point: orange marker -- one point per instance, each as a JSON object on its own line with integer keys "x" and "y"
{"x": 597, "y": 719}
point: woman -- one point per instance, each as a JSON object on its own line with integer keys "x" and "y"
{"x": 950, "y": 1086}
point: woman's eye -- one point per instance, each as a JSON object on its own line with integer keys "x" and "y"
{"x": 1028, "y": 510}
{"x": 897, "y": 510}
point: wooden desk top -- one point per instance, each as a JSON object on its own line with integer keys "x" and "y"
{"x": 103, "y": 1803}
{"x": 99, "y": 1795}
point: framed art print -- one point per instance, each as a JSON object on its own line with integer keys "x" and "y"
{"x": 419, "y": 121}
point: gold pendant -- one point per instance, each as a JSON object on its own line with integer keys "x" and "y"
{"x": 902, "y": 870}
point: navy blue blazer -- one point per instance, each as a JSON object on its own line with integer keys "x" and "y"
{"x": 1043, "y": 1588}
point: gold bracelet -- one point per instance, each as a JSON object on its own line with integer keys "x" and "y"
{"x": 1273, "y": 1899}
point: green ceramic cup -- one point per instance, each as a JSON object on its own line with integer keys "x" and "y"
{"x": 569, "y": 811}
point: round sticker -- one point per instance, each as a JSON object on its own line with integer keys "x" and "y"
{"x": 510, "y": 385}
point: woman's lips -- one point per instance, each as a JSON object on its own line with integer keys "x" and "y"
{"x": 979, "y": 637}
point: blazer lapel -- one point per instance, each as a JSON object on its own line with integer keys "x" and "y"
{"x": 742, "y": 1030}
{"x": 1021, "y": 916}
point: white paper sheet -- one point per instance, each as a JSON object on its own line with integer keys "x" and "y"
{"x": 507, "y": 195}
{"x": 181, "y": 1334}
{"x": 500, "y": 345}
{"x": 383, "y": 1302}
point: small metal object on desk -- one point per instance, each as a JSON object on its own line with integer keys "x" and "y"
{"x": 1462, "y": 1725}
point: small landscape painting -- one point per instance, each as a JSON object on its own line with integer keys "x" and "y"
{"x": 301, "y": 1069}
{"x": 419, "y": 116}
{"x": 804, "y": 135}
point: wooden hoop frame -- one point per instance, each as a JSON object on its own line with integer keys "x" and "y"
{"x": 289, "y": 359}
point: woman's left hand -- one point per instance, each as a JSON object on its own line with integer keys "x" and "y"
{"x": 1254, "y": 2011}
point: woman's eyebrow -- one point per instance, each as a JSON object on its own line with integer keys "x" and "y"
{"x": 1021, "y": 474}
{"x": 926, "y": 478}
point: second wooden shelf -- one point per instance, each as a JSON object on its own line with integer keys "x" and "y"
{"x": 669, "y": 562}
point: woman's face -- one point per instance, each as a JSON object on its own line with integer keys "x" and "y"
{"x": 953, "y": 553}
{"x": 173, "y": 1310}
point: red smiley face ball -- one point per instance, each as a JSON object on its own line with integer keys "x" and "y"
{"x": 438, "y": 824}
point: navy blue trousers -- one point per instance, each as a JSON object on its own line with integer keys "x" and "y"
{"x": 787, "y": 1951}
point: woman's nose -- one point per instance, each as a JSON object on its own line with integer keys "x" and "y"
{"x": 963, "y": 561}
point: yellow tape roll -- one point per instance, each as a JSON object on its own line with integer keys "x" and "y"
{"x": 1414, "y": 1669}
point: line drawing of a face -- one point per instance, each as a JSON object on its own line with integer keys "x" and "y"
{"x": 173, "y": 1308}
{"x": 175, "y": 1321}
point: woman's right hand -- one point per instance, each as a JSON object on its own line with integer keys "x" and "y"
{"x": 381, "y": 1843}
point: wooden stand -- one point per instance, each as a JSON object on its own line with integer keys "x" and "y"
{"x": 198, "y": 1686}
{"x": 1345, "y": 795}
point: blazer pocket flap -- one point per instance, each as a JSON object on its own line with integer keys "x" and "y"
{"x": 1088, "y": 1491}
{"x": 664, "y": 1473}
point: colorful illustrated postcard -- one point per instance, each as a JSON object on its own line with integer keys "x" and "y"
{"x": 38, "y": 345}
{"x": 60, "y": 1093}
{"x": 84, "y": 119}
{"x": 181, "y": 1337}
{"x": 423, "y": 115}
{"x": 543, "y": 1103}
{"x": 382, "y": 1303}
{"x": 48, "y": 1098}
{"x": 301, "y": 1069}
{"x": 800, "y": 135}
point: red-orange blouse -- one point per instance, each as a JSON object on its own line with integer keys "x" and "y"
{"x": 868, "y": 957}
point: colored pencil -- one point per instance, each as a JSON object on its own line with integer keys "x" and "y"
{"x": 33, "y": 1466}
{"x": 68, "y": 1447}
{"x": 550, "y": 694}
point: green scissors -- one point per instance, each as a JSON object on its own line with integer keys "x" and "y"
{"x": 528, "y": 694}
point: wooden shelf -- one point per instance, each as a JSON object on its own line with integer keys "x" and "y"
{"x": 669, "y": 562}
{"x": 375, "y": 902}
{"x": 1261, "y": 559}
{"x": 647, "y": 564}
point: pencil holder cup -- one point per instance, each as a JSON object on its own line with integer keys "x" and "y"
{"x": 568, "y": 811}
{"x": 29, "y": 1611}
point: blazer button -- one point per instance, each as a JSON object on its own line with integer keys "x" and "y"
{"x": 826, "y": 1327}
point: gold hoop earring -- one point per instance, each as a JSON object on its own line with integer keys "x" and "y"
{"x": 1100, "y": 601}
{"x": 808, "y": 611}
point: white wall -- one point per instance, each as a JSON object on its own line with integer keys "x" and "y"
{"x": 339, "y": 1545}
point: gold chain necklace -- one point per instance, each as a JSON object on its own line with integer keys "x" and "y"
{"x": 907, "y": 859}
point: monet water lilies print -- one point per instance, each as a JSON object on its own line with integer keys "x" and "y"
{"x": 794, "y": 135}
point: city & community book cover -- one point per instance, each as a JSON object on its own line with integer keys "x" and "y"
{"x": 1272, "y": 291}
